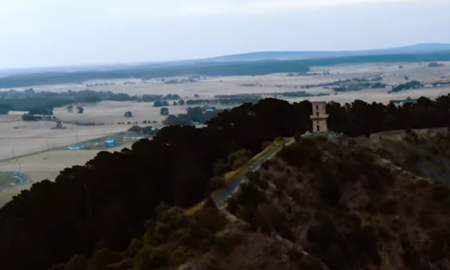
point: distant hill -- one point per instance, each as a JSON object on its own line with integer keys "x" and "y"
{"x": 304, "y": 55}
{"x": 261, "y": 63}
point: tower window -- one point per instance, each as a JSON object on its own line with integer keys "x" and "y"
{"x": 318, "y": 128}
{"x": 317, "y": 107}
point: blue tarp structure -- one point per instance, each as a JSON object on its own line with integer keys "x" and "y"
{"x": 75, "y": 147}
{"x": 110, "y": 142}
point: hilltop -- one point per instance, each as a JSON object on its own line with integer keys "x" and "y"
{"x": 321, "y": 203}
{"x": 95, "y": 210}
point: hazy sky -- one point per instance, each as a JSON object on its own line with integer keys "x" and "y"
{"x": 39, "y": 33}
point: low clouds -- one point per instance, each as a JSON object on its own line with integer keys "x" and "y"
{"x": 269, "y": 7}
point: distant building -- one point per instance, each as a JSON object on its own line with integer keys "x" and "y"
{"x": 110, "y": 143}
{"x": 319, "y": 117}
{"x": 401, "y": 102}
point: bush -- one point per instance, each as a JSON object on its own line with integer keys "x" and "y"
{"x": 220, "y": 168}
{"x": 232, "y": 206}
{"x": 227, "y": 242}
{"x": 211, "y": 219}
{"x": 440, "y": 193}
{"x": 265, "y": 145}
{"x": 77, "y": 263}
{"x": 150, "y": 258}
{"x": 29, "y": 117}
{"x": 216, "y": 183}
{"x": 300, "y": 153}
{"x": 238, "y": 163}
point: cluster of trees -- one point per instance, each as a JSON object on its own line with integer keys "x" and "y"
{"x": 106, "y": 202}
{"x": 196, "y": 115}
{"x": 359, "y": 86}
{"x": 407, "y": 86}
{"x": 164, "y": 111}
{"x": 170, "y": 240}
{"x": 160, "y": 103}
{"x": 435, "y": 64}
{"x": 29, "y": 99}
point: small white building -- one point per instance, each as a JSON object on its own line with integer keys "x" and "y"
{"x": 319, "y": 117}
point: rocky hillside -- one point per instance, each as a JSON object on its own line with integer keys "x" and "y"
{"x": 322, "y": 203}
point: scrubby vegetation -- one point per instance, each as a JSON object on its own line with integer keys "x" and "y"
{"x": 170, "y": 240}
{"x": 348, "y": 208}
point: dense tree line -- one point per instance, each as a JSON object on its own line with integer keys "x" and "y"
{"x": 30, "y": 100}
{"x": 196, "y": 115}
{"x": 106, "y": 202}
{"x": 407, "y": 86}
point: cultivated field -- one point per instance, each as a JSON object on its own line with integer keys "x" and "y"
{"x": 18, "y": 138}
{"x": 208, "y": 87}
{"x": 43, "y": 166}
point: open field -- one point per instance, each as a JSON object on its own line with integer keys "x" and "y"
{"x": 43, "y": 166}
{"x": 111, "y": 112}
{"x": 19, "y": 138}
{"x": 208, "y": 87}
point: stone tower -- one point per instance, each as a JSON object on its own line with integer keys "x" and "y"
{"x": 319, "y": 117}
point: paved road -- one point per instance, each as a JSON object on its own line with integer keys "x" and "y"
{"x": 254, "y": 167}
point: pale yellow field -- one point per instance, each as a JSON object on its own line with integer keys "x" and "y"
{"x": 19, "y": 138}
{"x": 274, "y": 83}
{"x": 111, "y": 112}
{"x": 44, "y": 166}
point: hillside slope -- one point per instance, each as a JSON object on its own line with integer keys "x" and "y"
{"x": 322, "y": 203}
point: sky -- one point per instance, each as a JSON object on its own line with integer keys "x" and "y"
{"x": 49, "y": 33}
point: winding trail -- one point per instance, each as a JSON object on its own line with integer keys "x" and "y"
{"x": 221, "y": 198}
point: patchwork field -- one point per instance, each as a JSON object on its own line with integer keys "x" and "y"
{"x": 29, "y": 147}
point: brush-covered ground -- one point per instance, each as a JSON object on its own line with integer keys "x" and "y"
{"x": 322, "y": 203}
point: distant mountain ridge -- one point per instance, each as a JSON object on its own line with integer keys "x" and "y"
{"x": 306, "y": 55}
{"x": 259, "y": 63}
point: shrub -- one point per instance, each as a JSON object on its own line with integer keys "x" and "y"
{"x": 323, "y": 234}
{"x": 125, "y": 264}
{"x": 150, "y": 258}
{"x": 232, "y": 206}
{"x": 77, "y": 263}
{"x": 440, "y": 193}
{"x": 265, "y": 145}
{"x": 133, "y": 248}
{"x": 365, "y": 242}
{"x": 211, "y": 218}
{"x": 300, "y": 153}
{"x": 227, "y": 242}
{"x": 216, "y": 183}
